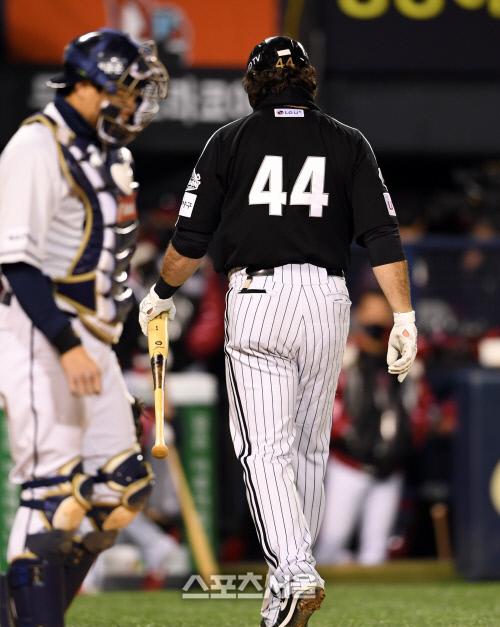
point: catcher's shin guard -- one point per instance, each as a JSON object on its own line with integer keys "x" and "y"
{"x": 5, "y": 610}
{"x": 76, "y": 567}
{"x": 36, "y": 590}
{"x": 81, "y": 558}
{"x": 129, "y": 476}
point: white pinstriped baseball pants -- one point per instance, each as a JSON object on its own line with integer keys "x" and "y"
{"x": 284, "y": 351}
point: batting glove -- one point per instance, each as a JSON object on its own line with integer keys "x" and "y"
{"x": 153, "y": 306}
{"x": 403, "y": 339}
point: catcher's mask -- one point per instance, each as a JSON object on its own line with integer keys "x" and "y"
{"x": 114, "y": 62}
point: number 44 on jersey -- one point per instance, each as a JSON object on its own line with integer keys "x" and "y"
{"x": 270, "y": 175}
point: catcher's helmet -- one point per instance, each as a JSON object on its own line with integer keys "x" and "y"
{"x": 113, "y": 61}
{"x": 277, "y": 52}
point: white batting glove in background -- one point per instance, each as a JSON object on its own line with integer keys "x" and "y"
{"x": 152, "y": 306}
{"x": 403, "y": 339}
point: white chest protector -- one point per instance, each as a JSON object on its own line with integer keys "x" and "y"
{"x": 102, "y": 181}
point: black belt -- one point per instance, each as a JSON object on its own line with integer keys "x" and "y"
{"x": 270, "y": 272}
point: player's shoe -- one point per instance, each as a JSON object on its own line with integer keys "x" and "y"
{"x": 296, "y": 610}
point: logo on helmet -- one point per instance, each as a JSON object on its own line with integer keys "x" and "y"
{"x": 255, "y": 60}
{"x": 114, "y": 66}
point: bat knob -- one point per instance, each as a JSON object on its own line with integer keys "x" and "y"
{"x": 160, "y": 451}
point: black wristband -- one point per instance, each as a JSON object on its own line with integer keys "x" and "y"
{"x": 164, "y": 290}
{"x": 66, "y": 339}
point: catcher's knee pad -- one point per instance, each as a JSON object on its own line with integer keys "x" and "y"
{"x": 132, "y": 478}
{"x": 53, "y": 545}
{"x": 36, "y": 591}
{"x": 67, "y": 498}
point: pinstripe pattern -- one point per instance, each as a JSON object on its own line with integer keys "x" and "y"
{"x": 284, "y": 351}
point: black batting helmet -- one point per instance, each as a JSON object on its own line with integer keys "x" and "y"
{"x": 277, "y": 52}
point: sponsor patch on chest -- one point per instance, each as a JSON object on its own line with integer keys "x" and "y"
{"x": 187, "y": 204}
{"x": 390, "y": 206}
{"x": 289, "y": 113}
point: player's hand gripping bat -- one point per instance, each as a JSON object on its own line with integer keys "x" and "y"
{"x": 158, "y": 351}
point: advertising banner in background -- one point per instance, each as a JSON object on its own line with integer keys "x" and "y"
{"x": 9, "y": 493}
{"x": 198, "y": 33}
{"x": 419, "y": 36}
{"x": 199, "y": 102}
{"x": 409, "y": 73}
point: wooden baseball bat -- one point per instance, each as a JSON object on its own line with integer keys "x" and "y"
{"x": 203, "y": 556}
{"x": 158, "y": 352}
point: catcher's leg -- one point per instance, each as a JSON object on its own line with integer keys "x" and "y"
{"x": 120, "y": 490}
{"x": 35, "y": 587}
{"x": 119, "y": 482}
{"x": 5, "y": 610}
{"x": 41, "y": 538}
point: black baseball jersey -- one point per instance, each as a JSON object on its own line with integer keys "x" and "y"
{"x": 286, "y": 184}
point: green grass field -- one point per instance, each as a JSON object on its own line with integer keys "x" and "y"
{"x": 396, "y": 597}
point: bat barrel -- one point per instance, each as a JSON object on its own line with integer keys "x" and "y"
{"x": 159, "y": 450}
{"x": 158, "y": 350}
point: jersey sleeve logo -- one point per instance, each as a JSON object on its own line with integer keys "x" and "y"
{"x": 187, "y": 204}
{"x": 382, "y": 180}
{"x": 194, "y": 181}
{"x": 390, "y": 206}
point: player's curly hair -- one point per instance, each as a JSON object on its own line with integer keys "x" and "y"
{"x": 260, "y": 84}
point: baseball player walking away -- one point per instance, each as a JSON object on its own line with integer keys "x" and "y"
{"x": 285, "y": 190}
{"x": 68, "y": 224}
